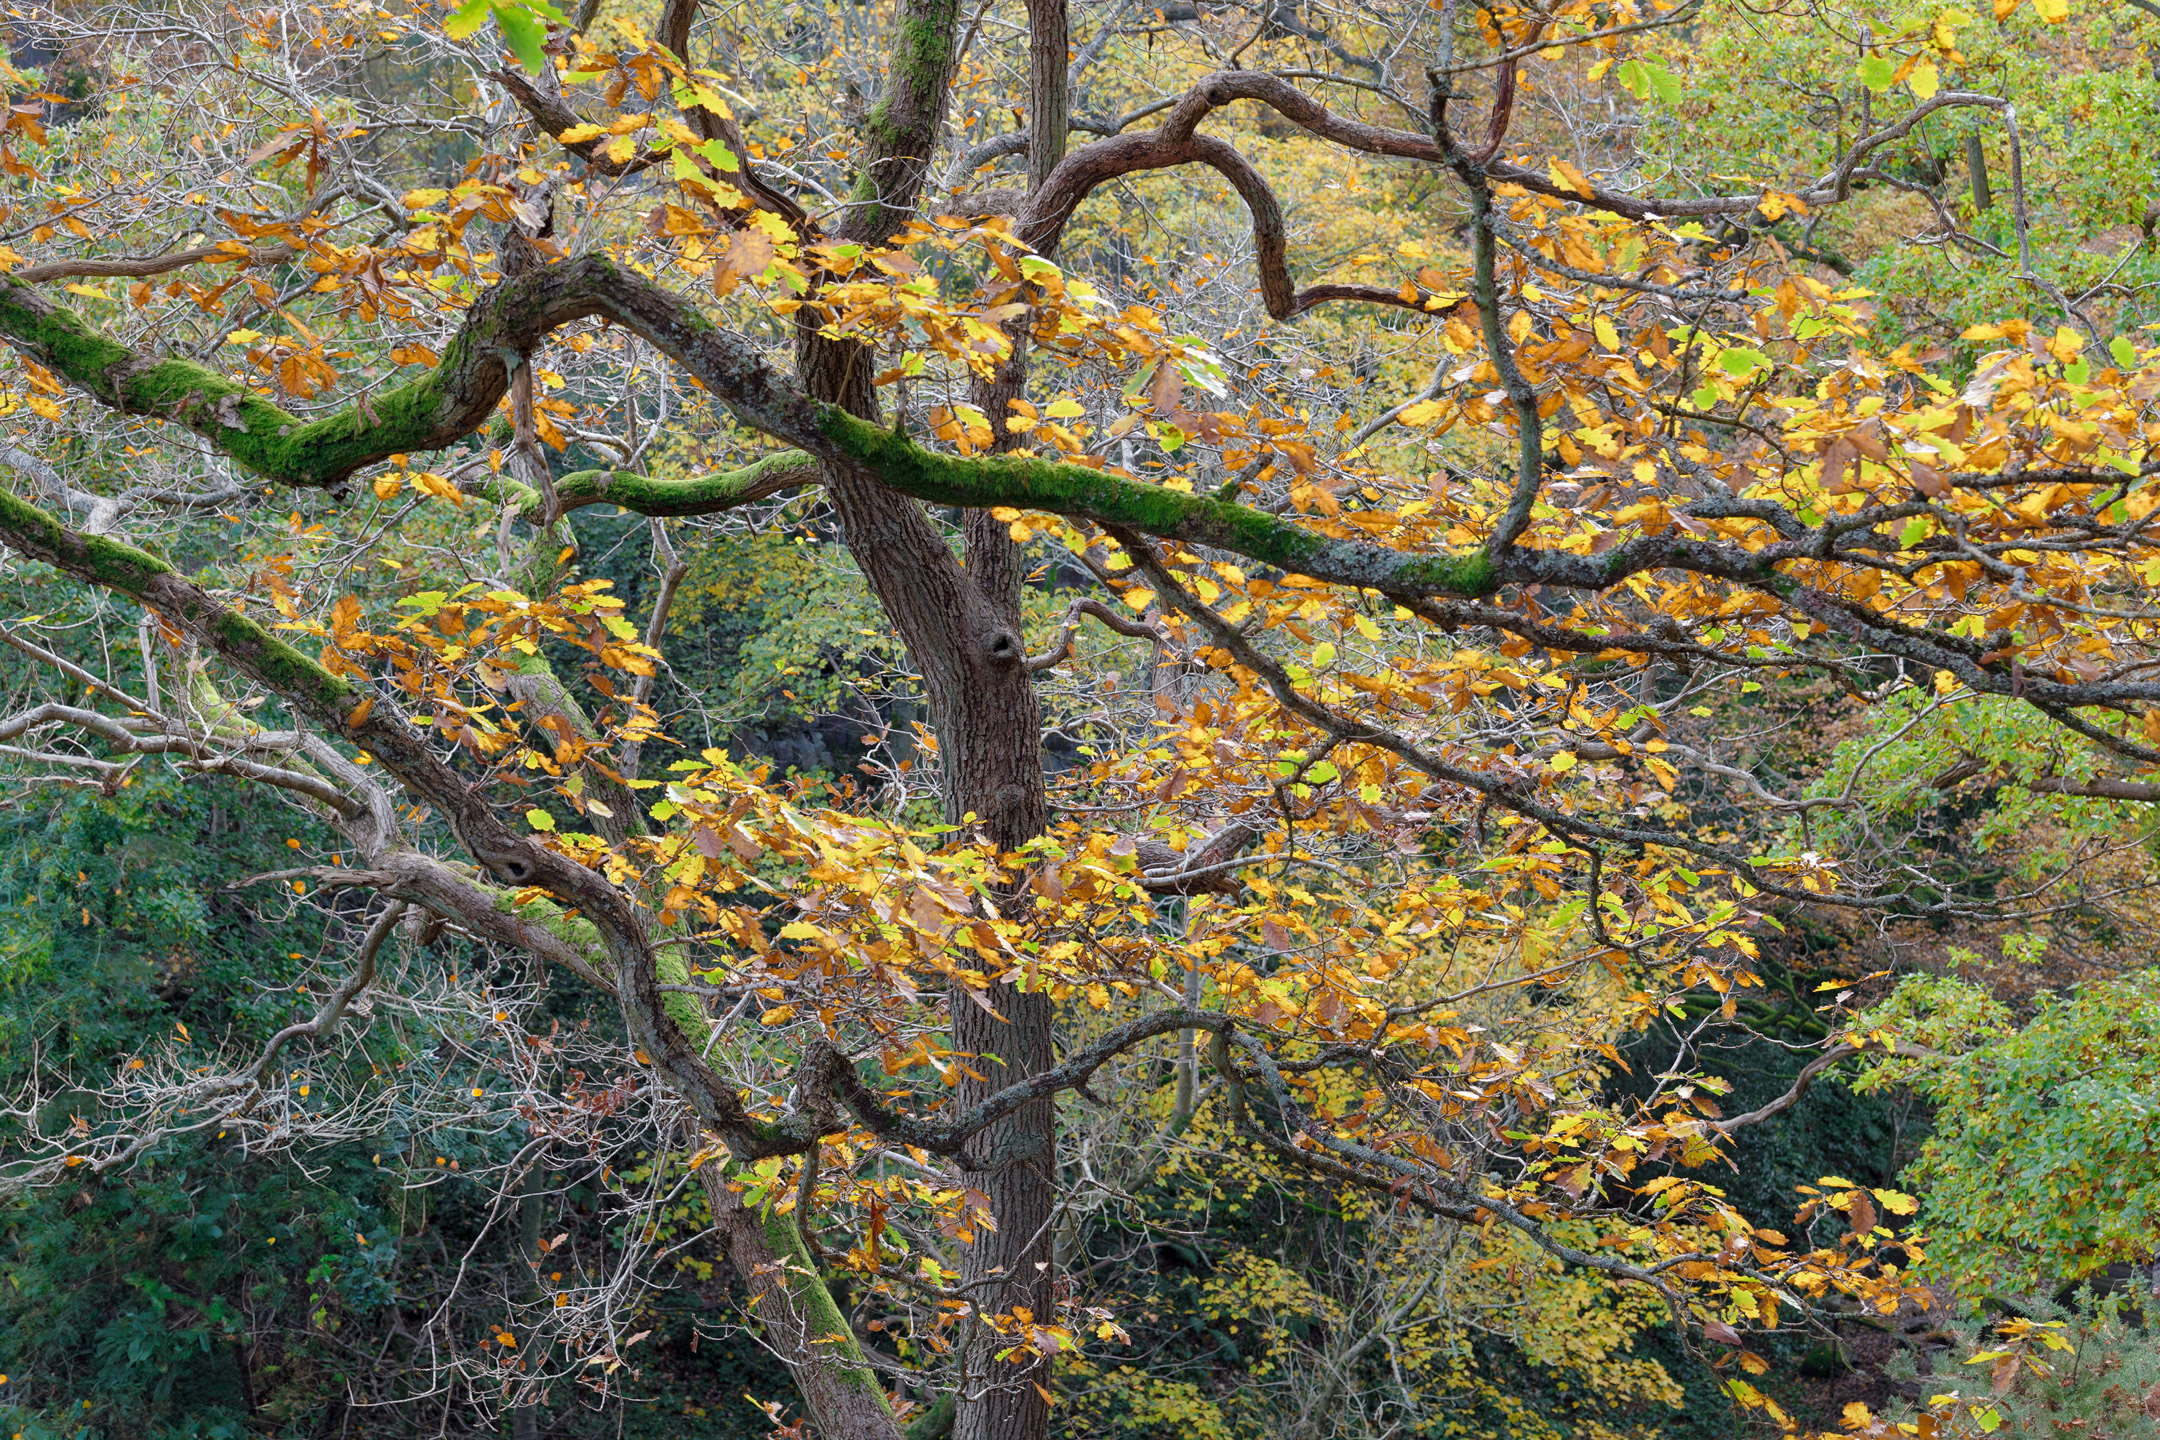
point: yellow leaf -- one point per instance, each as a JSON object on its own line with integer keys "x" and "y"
{"x": 2052, "y": 11}
{"x": 778, "y": 1015}
{"x": 1562, "y": 762}
{"x": 799, "y": 930}
{"x": 1608, "y": 337}
{"x": 578, "y": 134}
{"x": 1924, "y": 80}
{"x": 1567, "y": 177}
{"x": 387, "y": 486}
{"x": 1424, "y": 412}
{"x": 1323, "y": 655}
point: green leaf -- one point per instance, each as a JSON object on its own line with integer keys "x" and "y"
{"x": 465, "y": 19}
{"x": 526, "y": 34}
{"x": 2078, "y": 371}
{"x": 539, "y": 820}
{"x": 1739, "y": 361}
{"x": 1704, "y": 397}
{"x": 2124, "y": 352}
{"x": 1875, "y": 73}
{"x": 1646, "y": 79}
{"x": 722, "y": 158}
{"x": 1323, "y": 772}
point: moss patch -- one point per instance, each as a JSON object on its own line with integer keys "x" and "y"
{"x": 1076, "y": 490}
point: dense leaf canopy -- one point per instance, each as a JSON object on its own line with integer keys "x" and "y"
{"x": 1360, "y": 719}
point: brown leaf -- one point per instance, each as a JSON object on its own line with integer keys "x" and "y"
{"x": 1929, "y": 481}
{"x": 748, "y": 253}
{"x": 1861, "y": 1214}
{"x": 1835, "y": 457}
{"x": 1276, "y": 937}
{"x": 1868, "y": 443}
{"x": 928, "y": 915}
{"x": 1167, "y": 391}
{"x": 1721, "y": 1332}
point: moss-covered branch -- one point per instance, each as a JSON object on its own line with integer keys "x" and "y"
{"x": 515, "y": 316}
{"x": 1062, "y": 488}
{"x": 700, "y": 495}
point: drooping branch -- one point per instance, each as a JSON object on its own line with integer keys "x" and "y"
{"x": 701, "y": 495}
{"x": 375, "y": 724}
{"x": 226, "y": 252}
{"x": 194, "y": 753}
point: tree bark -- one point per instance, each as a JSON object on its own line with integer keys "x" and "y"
{"x": 839, "y": 1390}
{"x": 1049, "y": 93}
{"x": 961, "y": 625}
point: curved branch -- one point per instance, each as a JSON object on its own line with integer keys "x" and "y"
{"x": 139, "y": 267}
{"x": 828, "y": 1069}
{"x": 1810, "y": 1073}
{"x": 702, "y": 495}
{"x": 402, "y": 751}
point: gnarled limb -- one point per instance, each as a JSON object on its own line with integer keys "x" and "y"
{"x": 403, "y": 751}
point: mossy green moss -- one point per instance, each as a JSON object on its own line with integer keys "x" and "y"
{"x": 121, "y": 567}
{"x": 579, "y": 934}
{"x": 264, "y": 438}
{"x": 831, "y": 1338}
{"x": 700, "y": 495}
{"x": 1076, "y": 490}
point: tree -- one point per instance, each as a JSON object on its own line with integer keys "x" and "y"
{"x": 1419, "y": 720}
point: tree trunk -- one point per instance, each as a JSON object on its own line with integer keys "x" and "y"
{"x": 1049, "y": 97}
{"x": 839, "y": 1390}
{"x": 1976, "y": 166}
{"x": 961, "y": 625}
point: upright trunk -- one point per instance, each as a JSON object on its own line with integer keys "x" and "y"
{"x": 1049, "y": 98}
{"x": 1976, "y": 166}
{"x": 961, "y": 625}
{"x": 1017, "y": 1158}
